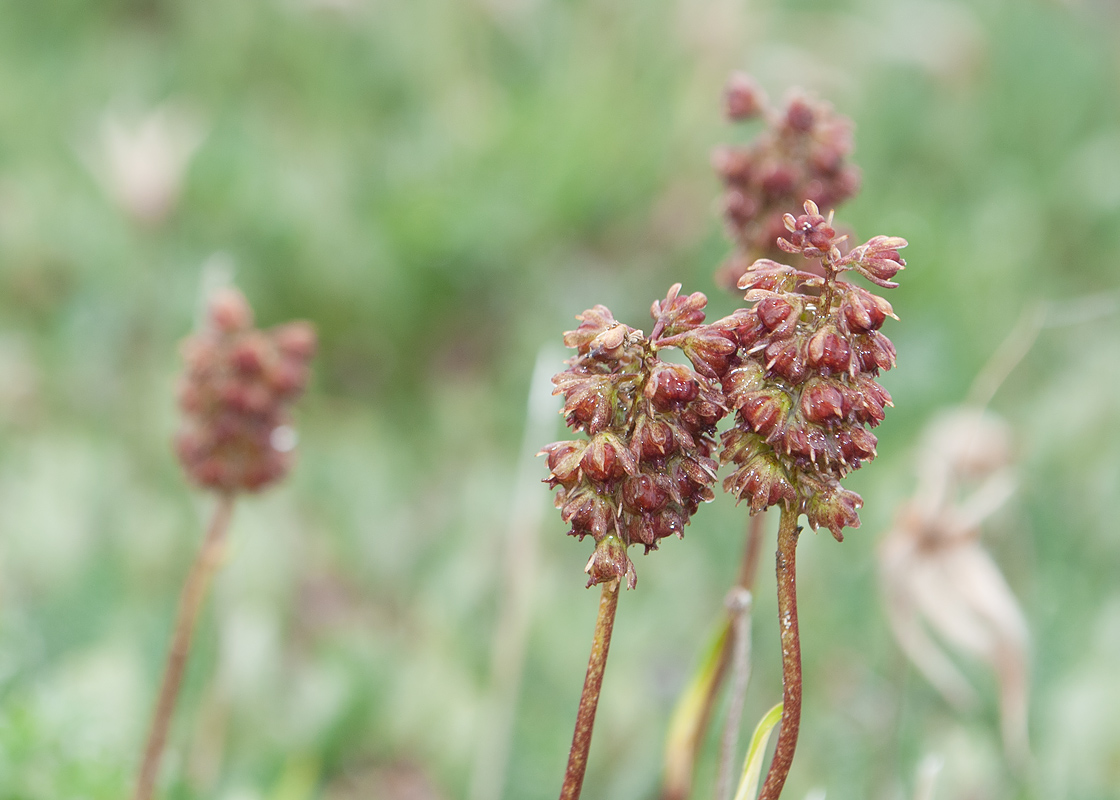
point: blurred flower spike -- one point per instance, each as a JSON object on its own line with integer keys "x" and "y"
{"x": 647, "y": 462}
{"x": 235, "y": 394}
{"x": 802, "y": 379}
{"x": 935, "y": 574}
{"x": 801, "y": 152}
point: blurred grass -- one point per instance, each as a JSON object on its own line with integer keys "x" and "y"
{"x": 441, "y": 186}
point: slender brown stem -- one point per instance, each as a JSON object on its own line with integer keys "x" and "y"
{"x": 748, "y": 567}
{"x": 190, "y": 603}
{"x": 589, "y": 700}
{"x": 678, "y": 775}
{"x": 788, "y": 532}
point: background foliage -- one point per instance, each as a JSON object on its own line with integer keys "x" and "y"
{"x": 441, "y": 186}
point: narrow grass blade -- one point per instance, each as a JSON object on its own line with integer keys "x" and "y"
{"x": 689, "y": 721}
{"x": 752, "y": 766}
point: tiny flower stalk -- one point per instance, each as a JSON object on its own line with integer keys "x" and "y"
{"x": 647, "y": 462}
{"x": 236, "y": 437}
{"x": 802, "y": 385}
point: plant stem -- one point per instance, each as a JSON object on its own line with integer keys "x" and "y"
{"x": 589, "y": 700}
{"x": 190, "y": 603}
{"x": 748, "y": 567}
{"x": 680, "y": 766}
{"x": 739, "y": 607}
{"x": 788, "y": 532}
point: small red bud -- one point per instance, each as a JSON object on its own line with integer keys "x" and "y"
{"x": 296, "y": 339}
{"x": 229, "y": 311}
{"x": 743, "y": 97}
{"x": 829, "y": 350}
{"x": 821, "y": 401}
{"x": 642, "y": 494}
{"x": 778, "y": 181}
{"x": 773, "y": 311}
{"x": 833, "y": 507}
{"x": 671, "y": 386}
{"x": 800, "y": 115}
{"x": 601, "y": 460}
{"x": 609, "y": 562}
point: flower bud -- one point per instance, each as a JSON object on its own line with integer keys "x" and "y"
{"x": 778, "y": 181}
{"x": 669, "y": 522}
{"x": 868, "y": 399}
{"x": 653, "y": 439}
{"x": 249, "y": 354}
{"x": 863, "y": 443}
{"x": 744, "y": 379}
{"x": 833, "y": 507}
{"x": 773, "y": 311}
{"x": 743, "y": 98}
{"x": 828, "y": 349}
{"x": 229, "y": 311}
{"x": 812, "y": 235}
{"x": 675, "y": 314}
{"x": 710, "y": 349}
{"x": 765, "y": 411}
{"x": 592, "y": 323}
{"x": 588, "y": 399}
{"x": 863, "y": 311}
{"x": 878, "y": 259}
{"x": 564, "y": 461}
{"x": 587, "y": 513}
{"x": 605, "y": 458}
{"x": 746, "y": 326}
{"x": 787, "y": 358}
{"x": 872, "y": 352}
{"x": 800, "y": 115}
{"x": 296, "y": 339}
{"x": 671, "y": 386}
{"x": 607, "y": 343}
{"x": 762, "y": 482}
{"x": 822, "y": 401}
{"x": 642, "y": 494}
{"x": 609, "y": 562}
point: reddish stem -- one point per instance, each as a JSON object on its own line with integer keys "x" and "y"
{"x": 788, "y": 532}
{"x": 190, "y": 603}
{"x": 589, "y": 700}
{"x": 748, "y": 567}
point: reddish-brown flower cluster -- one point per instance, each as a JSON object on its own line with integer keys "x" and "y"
{"x": 802, "y": 382}
{"x": 239, "y": 382}
{"x": 647, "y": 464}
{"x": 802, "y": 153}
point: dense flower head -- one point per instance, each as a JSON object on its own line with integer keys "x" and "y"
{"x": 646, "y": 464}
{"x": 235, "y": 394}
{"x": 802, "y": 152}
{"x": 802, "y": 379}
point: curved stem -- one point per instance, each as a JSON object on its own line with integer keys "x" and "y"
{"x": 788, "y": 532}
{"x": 190, "y": 603}
{"x": 589, "y": 700}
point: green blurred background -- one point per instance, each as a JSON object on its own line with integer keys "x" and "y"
{"x": 440, "y": 186}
